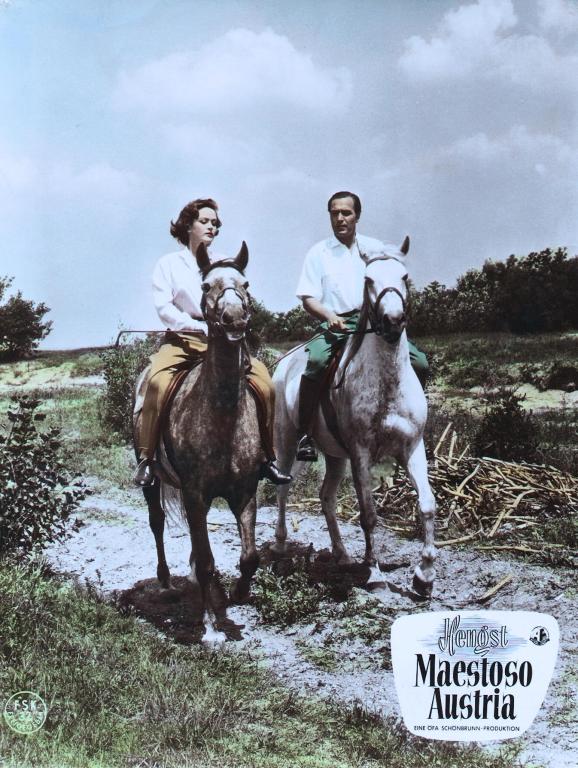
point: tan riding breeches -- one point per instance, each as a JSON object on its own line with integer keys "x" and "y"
{"x": 165, "y": 365}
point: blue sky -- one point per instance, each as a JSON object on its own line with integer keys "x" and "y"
{"x": 456, "y": 122}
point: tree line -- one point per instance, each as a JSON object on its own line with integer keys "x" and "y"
{"x": 524, "y": 294}
{"x": 529, "y": 294}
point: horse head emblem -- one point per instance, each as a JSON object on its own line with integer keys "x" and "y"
{"x": 225, "y": 301}
{"x": 386, "y": 292}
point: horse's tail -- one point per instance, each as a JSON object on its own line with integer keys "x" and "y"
{"x": 172, "y": 502}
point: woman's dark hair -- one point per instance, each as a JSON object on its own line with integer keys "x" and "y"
{"x": 190, "y": 213}
{"x": 355, "y": 198}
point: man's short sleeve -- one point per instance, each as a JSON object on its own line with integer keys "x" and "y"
{"x": 310, "y": 279}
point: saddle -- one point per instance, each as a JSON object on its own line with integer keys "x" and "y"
{"x": 163, "y": 462}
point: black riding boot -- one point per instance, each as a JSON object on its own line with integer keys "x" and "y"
{"x": 270, "y": 471}
{"x": 308, "y": 402}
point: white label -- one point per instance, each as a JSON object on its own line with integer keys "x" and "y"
{"x": 472, "y": 675}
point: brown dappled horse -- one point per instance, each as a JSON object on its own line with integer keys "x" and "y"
{"x": 211, "y": 438}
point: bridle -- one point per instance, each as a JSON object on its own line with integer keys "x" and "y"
{"x": 213, "y": 317}
{"x": 369, "y": 313}
{"x": 375, "y": 321}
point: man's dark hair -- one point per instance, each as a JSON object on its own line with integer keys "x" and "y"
{"x": 190, "y": 213}
{"x": 355, "y": 198}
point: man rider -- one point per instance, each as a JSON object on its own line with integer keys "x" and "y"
{"x": 331, "y": 289}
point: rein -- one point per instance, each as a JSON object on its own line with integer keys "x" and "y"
{"x": 317, "y": 335}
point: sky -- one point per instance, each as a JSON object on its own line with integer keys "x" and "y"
{"x": 455, "y": 122}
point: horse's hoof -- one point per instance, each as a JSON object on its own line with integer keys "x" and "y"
{"x": 421, "y": 587}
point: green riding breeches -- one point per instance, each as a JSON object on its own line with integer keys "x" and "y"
{"x": 322, "y": 349}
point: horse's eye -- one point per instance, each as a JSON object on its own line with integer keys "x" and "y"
{"x": 404, "y": 278}
{"x": 245, "y": 285}
{"x": 205, "y": 287}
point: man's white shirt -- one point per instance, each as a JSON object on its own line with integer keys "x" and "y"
{"x": 177, "y": 291}
{"x": 333, "y": 273}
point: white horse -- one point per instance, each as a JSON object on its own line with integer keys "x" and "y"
{"x": 380, "y": 409}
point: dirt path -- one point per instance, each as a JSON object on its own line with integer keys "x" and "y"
{"x": 340, "y": 657}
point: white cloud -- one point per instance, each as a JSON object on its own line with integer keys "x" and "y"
{"x": 240, "y": 70}
{"x": 558, "y": 15}
{"x": 518, "y": 147}
{"x": 468, "y": 36}
{"x": 478, "y": 40}
{"x": 24, "y": 179}
{"x": 100, "y": 182}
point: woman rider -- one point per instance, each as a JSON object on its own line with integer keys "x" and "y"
{"x": 177, "y": 296}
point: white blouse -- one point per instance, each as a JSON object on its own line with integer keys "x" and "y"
{"x": 177, "y": 291}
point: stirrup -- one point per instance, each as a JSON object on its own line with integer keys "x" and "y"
{"x": 270, "y": 471}
{"x": 306, "y": 449}
{"x": 144, "y": 475}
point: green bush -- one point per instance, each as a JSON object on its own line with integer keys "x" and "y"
{"x": 506, "y": 431}
{"x": 36, "y": 494}
{"x": 121, "y": 367}
{"x": 293, "y": 325}
{"x": 21, "y": 324}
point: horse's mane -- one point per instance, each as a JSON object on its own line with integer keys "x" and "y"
{"x": 221, "y": 263}
{"x": 358, "y": 336}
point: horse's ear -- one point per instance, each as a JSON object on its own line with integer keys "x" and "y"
{"x": 242, "y": 258}
{"x": 404, "y": 247}
{"x": 203, "y": 258}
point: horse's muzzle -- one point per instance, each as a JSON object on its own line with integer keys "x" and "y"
{"x": 233, "y": 333}
{"x": 391, "y": 331}
{"x": 233, "y": 321}
{"x": 235, "y": 330}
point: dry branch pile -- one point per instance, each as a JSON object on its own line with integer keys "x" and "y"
{"x": 502, "y": 506}
{"x": 496, "y": 505}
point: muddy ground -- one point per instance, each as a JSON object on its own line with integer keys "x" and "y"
{"x": 341, "y": 654}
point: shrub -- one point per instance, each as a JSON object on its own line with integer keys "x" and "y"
{"x": 293, "y": 325}
{"x": 36, "y": 493}
{"x": 21, "y": 324}
{"x": 506, "y": 431}
{"x": 122, "y": 366}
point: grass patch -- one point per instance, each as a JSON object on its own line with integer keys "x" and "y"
{"x": 323, "y": 656}
{"x": 120, "y": 695}
{"x": 284, "y": 600}
{"x": 52, "y": 367}
{"x": 499, "y": 350}
{"x": 88, "y": 448}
